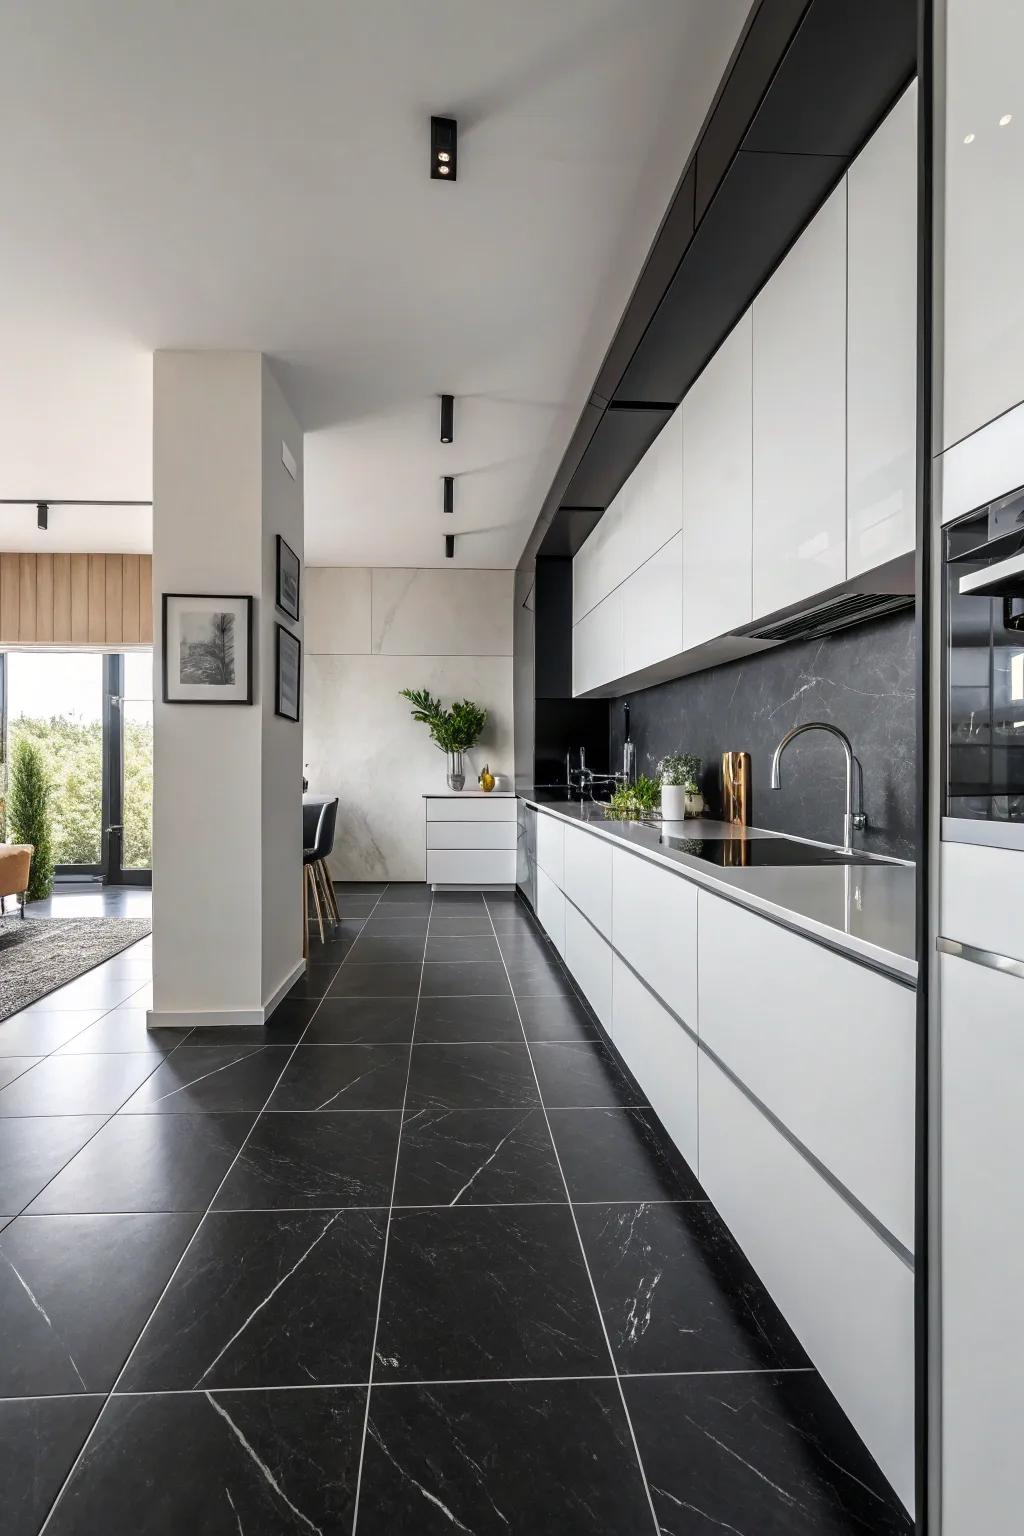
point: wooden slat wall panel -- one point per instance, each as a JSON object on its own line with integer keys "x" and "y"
{"x": 73, "y": 600}
{"x": 44, "y": 599}
{"x": 130, "y": 599}
{"x": 62, "y": 599}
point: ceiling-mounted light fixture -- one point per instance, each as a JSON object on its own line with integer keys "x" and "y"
{"x": 447, "y": 418}
{"x": 444, "y": 158}
{"x": 449, "y": 546}
{"x": 42, "y": 516}
{"x": 449, "y": 493}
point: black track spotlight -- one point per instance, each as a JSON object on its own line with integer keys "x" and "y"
{"x": 449, "y": 546}
{"x": 449, "y": 493}
{"x": 42, "y": 516}
{"x": 447, "y": 418}
{"x": 444, "y": 147}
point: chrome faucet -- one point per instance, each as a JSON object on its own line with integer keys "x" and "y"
{"x": 854, "y": 819}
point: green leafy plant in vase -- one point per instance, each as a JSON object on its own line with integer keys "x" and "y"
{"x": 680, "y": 784}
{"x": 453, "y": 731}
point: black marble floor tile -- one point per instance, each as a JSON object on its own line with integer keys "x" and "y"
{"x": 620, "y": 1154}
{"x": 360, "y": 887}
{"x": 678, "y": 1295}
{"x": 362, "y": 1021}
{"x": 266, "y": 1299}
{"x": 473, "y": 980}
{"x": 396, "y": 927}
{"x": 291, "y": 1014}
{"x": 510, "y": 918}
{"x": 551, "y": 1458}
{"x": 75, "y": 1292}
{"x": 296, "y": 1161}
{"x": 464, "y": 925}
{"x": 582, "y": 1075}
{"x": 386, "y": 950}
{"x": 148, "y": 1163}
{"x": 525, "y": 952}
{"x": 39, "y": 1439}
{"x": 206, "y": 1078}
{"x": 334, "y": 1077}
{"x": 459, "y": 901}
{"x": 394, "y": 980}
{"x": 471, "y": 1077}
{"x": 487, "y": 1291}
{"x": 288, "y": 1030}
{"x": 771, "y": 1454}
{"x": 78, "y": 1085}
{"x": 476, "y": 1157}
{"x": 34, "y": 1149}
{"x": 414, "y": 895}
{"x": 467, "y": 1019}
{"x": 218, "y": 1464}
{"x": 34, "y": 1032}
{"x": 315, "y": 982}
{"x": 12, "y": 1067}
{"x": 121, "y": 1031}
{"x": 539, "y": 980}
{"x": 332, "y": 949}
{"x": 557, "y": 1018}
{"x": 477, "y": 948}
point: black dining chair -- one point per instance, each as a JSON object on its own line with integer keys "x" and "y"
{"x": 319, "y": 819}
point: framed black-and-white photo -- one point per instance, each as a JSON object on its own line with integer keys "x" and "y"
{"x": 288, "y": 572}
{"x": 207, "y": 649}
{"x": 289, "y": 674}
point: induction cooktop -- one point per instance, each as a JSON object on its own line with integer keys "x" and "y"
{"x": 759, "y": 852}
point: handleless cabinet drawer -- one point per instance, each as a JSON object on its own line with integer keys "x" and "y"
{"x": 589, "y": 959}
{"x": 588, "y": 876}
{"x": 471, "y": 866}
{"x": 660, "y": 1054}
{"x": 472, "y": 834}
{"x": 472, "y": 809}
{"x": 654, "y": 925}
{"x": 550, "y": 848}
{"x": 551, "y": 910}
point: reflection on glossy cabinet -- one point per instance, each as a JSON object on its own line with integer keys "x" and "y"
{"x": 597, "y": 645}
{"x": 589, "y": 959}
{"x": 652, "y": 609}
{"x": 588, "y": 876}
{"x": 882, "y": 342}
{"x": 799, "y": 417}
{"x": 551, "y": 910}
{"x": 661, "y": 1056}
{"x": 718, "y": 492}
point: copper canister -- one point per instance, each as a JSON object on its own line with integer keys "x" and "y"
{"x": 736, "y": 787}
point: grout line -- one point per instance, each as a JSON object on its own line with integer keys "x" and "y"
{"x": 293, "y": 1210}
{"x": 387, "y": 1240}
{"x": 170, "y": 1279}
{"x": 586, "y": 1261}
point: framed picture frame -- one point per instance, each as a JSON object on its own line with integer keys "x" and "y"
{"x": 207, "y": 648}
{"x": 289, "y": 575}
{"x": 288, "y": 668}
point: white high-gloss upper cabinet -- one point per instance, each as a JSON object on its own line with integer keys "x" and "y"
{"x": 882, "y": 342}
{"x": 652, "y": 497}
{"x": 601, "y": 561}
{"x": 652, "y": 609}
{"x": 718, "y": 492}
{"x": 597, "y": 645}
{"x": 983, "y": 370}
{"x": 800, "y": 417}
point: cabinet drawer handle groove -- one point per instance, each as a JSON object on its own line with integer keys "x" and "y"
{"x": 986, "y": 957}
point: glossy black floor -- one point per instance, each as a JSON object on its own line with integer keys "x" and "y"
{"x": 416, "y": 1258}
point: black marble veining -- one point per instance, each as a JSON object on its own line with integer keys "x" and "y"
{"x": 862, "y": 680}
{"x": 476, "y": 1157}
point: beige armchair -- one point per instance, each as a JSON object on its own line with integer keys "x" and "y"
{"x": 15, "y": 863}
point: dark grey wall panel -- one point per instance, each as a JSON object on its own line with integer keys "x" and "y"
{"x": 862, "y": 680}
{"x": 615, "y": 450}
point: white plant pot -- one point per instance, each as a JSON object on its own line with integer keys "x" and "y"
{"x": 695, "y": 804}
{"x": 673, "y": 802}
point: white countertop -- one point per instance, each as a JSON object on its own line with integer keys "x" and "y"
{"x": 866, "y": 909}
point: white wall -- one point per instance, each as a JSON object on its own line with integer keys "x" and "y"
{"x": 370, "y": 633}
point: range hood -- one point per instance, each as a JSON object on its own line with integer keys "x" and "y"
{"x": 887, "y": 589}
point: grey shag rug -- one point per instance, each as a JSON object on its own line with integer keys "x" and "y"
{"x": 40, "y": 954}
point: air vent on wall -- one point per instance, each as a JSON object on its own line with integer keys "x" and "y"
{"x": 826, "y": 618}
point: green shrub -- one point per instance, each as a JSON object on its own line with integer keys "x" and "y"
{"x": 28, "y": 814}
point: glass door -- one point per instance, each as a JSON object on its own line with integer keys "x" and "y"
{"x": 129, "y": 735}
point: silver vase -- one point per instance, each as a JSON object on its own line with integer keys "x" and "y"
{"x": 456, "y": 774}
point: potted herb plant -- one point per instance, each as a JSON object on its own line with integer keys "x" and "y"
{"x": 680, "y": 786}
{"x": 635, "y": 802}
{"x": 452, "y": 730}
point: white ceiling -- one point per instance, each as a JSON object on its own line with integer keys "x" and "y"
{"x": 254, "y": 173}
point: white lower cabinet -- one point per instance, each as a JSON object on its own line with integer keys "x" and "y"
{"x": 654, "y": 925}
{"x": 660, "y": 1054}
{"x": 826, "y": 1044}
{"x": 551, "y": 910}
{"x": 589, "y": 958}
{"x": 588, "y": 876}
{"x": 471, "y": 866}
{"x": 550, "y": 848}
{"x": 848, "y": 1297}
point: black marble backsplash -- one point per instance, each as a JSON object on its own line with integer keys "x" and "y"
{"x": 862, "y": 680}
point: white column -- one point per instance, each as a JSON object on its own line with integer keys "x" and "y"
{"x": 227, "y": 778}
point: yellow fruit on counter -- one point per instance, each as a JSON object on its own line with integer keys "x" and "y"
{"x": 486, "y": 780}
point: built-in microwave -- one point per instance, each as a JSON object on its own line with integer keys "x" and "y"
{"x": 984, "y": 666}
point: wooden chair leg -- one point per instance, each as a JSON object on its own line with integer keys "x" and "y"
{"x": 328, "y": 885}
{"x": 316, "y": 903}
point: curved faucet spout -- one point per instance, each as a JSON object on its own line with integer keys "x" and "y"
{"x": 854, "y": 817}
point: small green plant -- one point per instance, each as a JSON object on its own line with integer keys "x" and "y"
{"x": 635, "y": 802}
{"x": 28, "y": 814}
{"x": 680, "y": 768}
{"x": 452, "y": 730}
